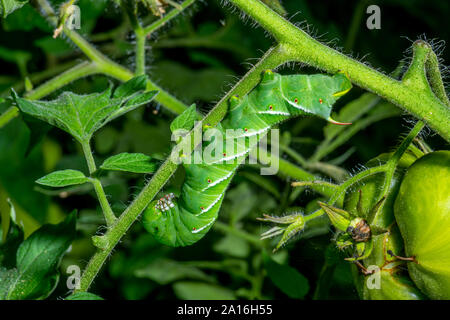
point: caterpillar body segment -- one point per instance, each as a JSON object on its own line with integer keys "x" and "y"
{"x": 184, "y": 220}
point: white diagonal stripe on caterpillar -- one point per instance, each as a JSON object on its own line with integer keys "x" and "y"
{"x": 271, "y": 112}
{"x": 211, "y": 205}
{"x": 205, "y": 226}
{"x": 212, "y": 184}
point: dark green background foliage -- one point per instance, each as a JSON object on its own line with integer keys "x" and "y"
{"x": 197, "y": 58}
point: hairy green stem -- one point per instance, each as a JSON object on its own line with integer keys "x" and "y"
{"x": 140, "y": 52}
{"x": 8, "y": 115}
{"x": 106, "y": 208}
{"x": 345, "y": 185}
{"x": 164, "y": 20}
{"x": 89, "y": 157}
{"x": 130, "y": 7}
{"x": 419, "y": 101}
{"x": 435, "y": 78}
{"x": 124, "y": 222}
{"x": 109, "y": 67}
{"x": 81, "y": 70}
{"x": 106, "y": 65}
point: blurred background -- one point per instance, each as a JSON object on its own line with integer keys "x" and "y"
{"x": 197, "y": 58}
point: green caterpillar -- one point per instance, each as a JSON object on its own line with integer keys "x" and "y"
{"x": 184, "y": 221}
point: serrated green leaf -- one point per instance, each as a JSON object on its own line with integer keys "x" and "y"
{"x": 133, "y": 103}
{"x": 286, "y": 278}
{"x": 63, "y": 178}
{"x": 8, "y": 6}
{"x": 130, "y": 162}
{"x": 128, "y": 88}
{"x": 36, "y": 275}
{"x": 84, "y": 296}
{"x": 202, "y": 291}
{"x": 185, "y": 120}
{"x": 164, "y": 271}
{"x": 82, "y": 115}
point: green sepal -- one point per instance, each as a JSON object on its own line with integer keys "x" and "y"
{"x": 343, "y": 241}
{"x": 363, "y": 250}
{"x": 338, "y": 217}
{"x": 291, "y": 230}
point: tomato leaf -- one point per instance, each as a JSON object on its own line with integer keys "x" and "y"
{"x": 128, "y": 88}
{"x": 130, "y": 162}
{"x": 8, "y": 6}
{"x": 63, "y": 178}
{"x": 82, "y": 115}
{"x": 84, "y": 296}
{"x": 286, "y": 278}
{"x": 35, "y": 275}
{"x": 185, "y": 120}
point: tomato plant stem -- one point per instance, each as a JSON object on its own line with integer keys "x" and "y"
{"x": 164, "y": 20}
{"x": 140, "y": 52}
{"x": 8, "y": 115}
{"x": 81, "y": 70}
{"x": 106, "y": 208}
{"x": 420, "y": 102}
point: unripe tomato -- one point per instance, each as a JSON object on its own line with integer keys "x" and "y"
{"x": 394, "y": 282}
{"x": 422, "y": 211}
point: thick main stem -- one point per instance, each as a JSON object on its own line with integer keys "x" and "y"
{"x": 423, "y": 104}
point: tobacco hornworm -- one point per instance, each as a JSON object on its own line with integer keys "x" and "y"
{"x": 185, "y": 220}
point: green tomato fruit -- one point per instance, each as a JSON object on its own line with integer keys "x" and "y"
{"x": 371, "y": 191}
{"x": 389, "y": 280}
{"x": 422, "y": 211}
{"x": 393, "y": 281}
